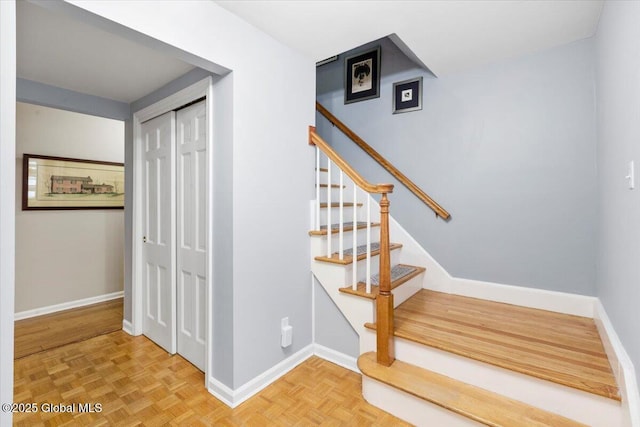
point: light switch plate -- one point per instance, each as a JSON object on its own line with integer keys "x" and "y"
{"x": 631, "y": 175}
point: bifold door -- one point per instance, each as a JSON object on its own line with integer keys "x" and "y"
{"x": 174, "y": 216}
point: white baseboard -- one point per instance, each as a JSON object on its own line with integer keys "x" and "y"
{"x": 127, "y": 327}
{"x": 336, "y": 357}
{"x": 559, "y": 302}
{"x": 621, "y": 364}
{"x": 235, "y": 397}
{"x": 67, "y": 305}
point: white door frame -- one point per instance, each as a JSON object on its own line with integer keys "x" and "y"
{"x": 197, "y": 90}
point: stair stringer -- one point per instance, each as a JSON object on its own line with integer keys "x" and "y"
{"x": 587, "y": 408}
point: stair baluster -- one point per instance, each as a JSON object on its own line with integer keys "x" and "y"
{"x": 368, "y": 263}
{"x": 317, "y": 188}
{"x": 329, "y": 219}
{"x": 341, "y": 220}
{"x": 354, "y": 234}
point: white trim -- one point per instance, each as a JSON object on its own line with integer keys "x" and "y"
{"x": 621, "y": 364}
{"x": 127, "y": 326}
{"x": 67, "y": 305}
{"x": 7, "y": 199}
{"x": 313, "y": 308}
{"x": 560, "y": 302}
{"x": 203, "y": 88}
{"x": 235, "y": 397}
{"x": 333, "y": 356}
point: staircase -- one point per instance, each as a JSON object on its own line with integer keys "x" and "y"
{"x": 437, "y": 359}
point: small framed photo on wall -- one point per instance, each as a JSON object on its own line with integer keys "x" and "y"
{"x": 407, "y": 96}
{"x": 362, "y": 76}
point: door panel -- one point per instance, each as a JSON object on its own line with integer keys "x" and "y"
{"x": 191, "y": 229}
{"x": 159, "y": 254}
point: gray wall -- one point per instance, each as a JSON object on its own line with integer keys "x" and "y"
{"x": 618, "y": 93}
{"x": 332, "y": 330}
{"x": 50, "y": 96}
{"x": 509, "y": 149}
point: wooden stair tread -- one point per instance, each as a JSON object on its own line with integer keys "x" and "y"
{"x": 556, "y": 347}
{"x": 470, "y": 401}
{"x": 337, "y": 205}
{"x": 361, "y": 289}
{"x": 348, "y": 226}
{"x": 332, "y": 186}
{"x": 348, "y": 259}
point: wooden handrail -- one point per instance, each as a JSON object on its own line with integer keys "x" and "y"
{"x": 315, "y": 139}
{"x": 439, "y": 210}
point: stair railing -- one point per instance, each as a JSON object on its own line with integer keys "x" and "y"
{"x": 384, "y": 299}
{"x": 439, "y": 210}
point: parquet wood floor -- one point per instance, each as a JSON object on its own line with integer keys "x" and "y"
{"x": 139, "y": 384}
{"x": 57, "y": 329}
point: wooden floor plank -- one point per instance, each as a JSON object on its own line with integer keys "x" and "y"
{"x": 552, "y": 346}
{"x": 54, "y": 330}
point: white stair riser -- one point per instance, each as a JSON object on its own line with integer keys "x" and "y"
{"x": 347, "y": 214}
{"x": 578, "y": 405}
{"x": 410, "y": 408}
{"x": 347, "y": 193}
{"x": 346, "y": 279}
{"x": 319, "y": 243}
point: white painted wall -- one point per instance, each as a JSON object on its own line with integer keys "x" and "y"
{"x": 46, "y": 241}
{"x": 7, "y": 233}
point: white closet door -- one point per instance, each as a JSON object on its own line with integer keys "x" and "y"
{"x": 159, "y": 253}
{"x": 191, "y": 232}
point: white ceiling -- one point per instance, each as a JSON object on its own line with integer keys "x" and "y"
{"x": 63, "y": 52}
{"x": 447, "y": 36}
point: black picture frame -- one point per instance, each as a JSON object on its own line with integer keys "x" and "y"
{"x": 55, "y": 183}
{"x": 407, "y": 95}
{"x": 362, "y": 76}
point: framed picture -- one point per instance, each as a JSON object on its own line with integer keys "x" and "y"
{"x": 407, "y": 96}
{"x": 62, "y": 183}
{"x": 362, "y": 76}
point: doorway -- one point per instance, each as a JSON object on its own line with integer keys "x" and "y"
{"x": 171, "y": 236}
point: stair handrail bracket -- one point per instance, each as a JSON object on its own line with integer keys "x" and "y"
{"x": 395, "y": 172}
{"x": 384, "y": 299}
